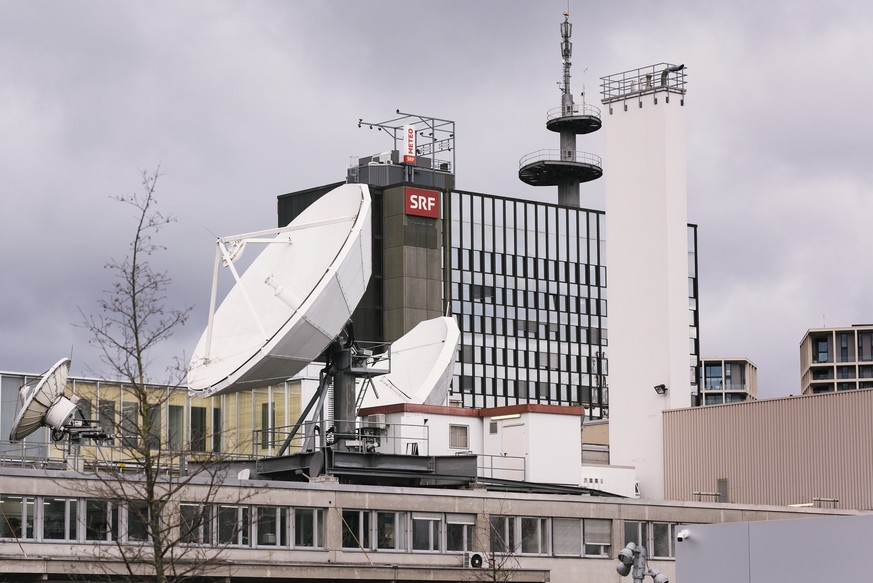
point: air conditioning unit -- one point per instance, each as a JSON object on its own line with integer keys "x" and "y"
{"x": 474, "y": 560}
{"x": 376, "y": 421}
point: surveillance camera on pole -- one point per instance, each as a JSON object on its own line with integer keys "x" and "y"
{"x": 633, "y": 557}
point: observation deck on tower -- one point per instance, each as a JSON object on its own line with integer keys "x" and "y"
{"x": 565, "y": 167}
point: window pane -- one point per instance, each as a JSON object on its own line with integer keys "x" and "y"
{"x": 233, "y": 525}
{"x": 101, "y": 522}
{"x": 661, "y": 535}
{"x": 632, "y": 532}
{"x": 137, "y": 521}
{"x": 458, "y": 437}
{"x": 307, "y": 527}
{"x": 387, "y": 530}
{"x": 425, "y": 534}
{"x": 268, "y": 525}
{"x": 356, "y": 529}
{"x": 175, "y": 426}
{"x": 129, "y": 424}
{"x": 195, "y": 524}
{"x": 16, "y": 521}
{"x": 502, "y": 534}
{"x": 458, "y": 537}
{"x": 530, "y": 535}
{"x": 54, "y": 526}
{"x": 198, "y": 428}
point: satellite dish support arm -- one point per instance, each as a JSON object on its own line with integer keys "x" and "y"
{"x": 319, "y": 395}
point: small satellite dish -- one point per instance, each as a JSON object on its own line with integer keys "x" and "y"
{"x": 422, "y": 365}
{"x": 293, "y": 299}
{"x": 42, "y": 403}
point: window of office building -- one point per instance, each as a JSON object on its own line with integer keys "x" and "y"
{"x": 356, "y": 529}
{"x": 272, "y": 523}
{"x": 657, "y": 537}
{"x": 865, "y": 346}
{"x": 426, "y": 533}
{"x": 459, "y": 532}
{"x": 390, "y": 530}
{"x": 712, "y": 376}
{"x": 101, "y": 520}
{"x": 137, "y": 521}
{"x": 17, "y": 519}
{"x": 502, "y": 534}
{"x": 59, "y": 519}
{"x": 820, "y": 349}
{"x": 308, "y": 528}
{"x": 534, "y": 535}
{"x": 845, "y": 347}
{"x": 233, "y": 525}
{"x": 575, "y": 537}
{"x": 176, "y": 427}
{"x": 195, "y": 523}
{"x": 567, "y": 536}
{"x": 198, "y": 428}
{"x": 459, "y": 436}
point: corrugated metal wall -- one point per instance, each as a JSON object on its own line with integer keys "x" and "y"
{"x": 776, "y": 451}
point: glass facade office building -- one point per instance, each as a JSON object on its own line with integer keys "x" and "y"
{"x": 527, "y": 284}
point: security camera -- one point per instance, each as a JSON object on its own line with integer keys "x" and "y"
{"x": 683, "y": 535}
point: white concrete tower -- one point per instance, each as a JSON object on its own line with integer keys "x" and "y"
{"x": 647, "y": 259}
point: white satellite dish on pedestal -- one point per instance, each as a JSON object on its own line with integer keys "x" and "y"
{"x": 422, "y": 365}
{"x": 43, "y": 403}
{"x": 293, "y": 299}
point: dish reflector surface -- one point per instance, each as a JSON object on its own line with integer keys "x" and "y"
{"x": 293, "y": 299}
{"x": 422, "y": 365}
{"x": 36, "y": 399}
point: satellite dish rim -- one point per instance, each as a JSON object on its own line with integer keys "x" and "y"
{"x": 58, "y": 372}
{"x": 438, "y": 338}
{"x": 353, "y": 237}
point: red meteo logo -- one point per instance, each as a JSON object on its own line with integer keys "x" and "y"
{"x": 408, "y": 145}
{"x": 422, "y": 203}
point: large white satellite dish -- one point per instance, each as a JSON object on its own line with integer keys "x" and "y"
{"x": 293, "y": 299}
{"x": 43, "y": 403}
{"x": 422, "y": 365}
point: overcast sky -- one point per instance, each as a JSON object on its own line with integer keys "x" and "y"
{"x": 241, "y": 101}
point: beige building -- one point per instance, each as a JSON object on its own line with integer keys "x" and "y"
{"x": 812, "y": 450}
{"x": 242, "y": 423}
{"x": 836, "y": 359}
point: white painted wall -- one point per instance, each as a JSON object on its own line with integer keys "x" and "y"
{"x": 647, "y": 259}
{"x": 618, "y": 480}
{"x": 555, "y": 448}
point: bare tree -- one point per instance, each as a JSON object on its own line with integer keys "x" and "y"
{"x": 141, "y": 477}
{"x": 495, "y": 539}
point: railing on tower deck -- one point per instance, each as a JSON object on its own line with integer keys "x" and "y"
{"x": 580, "y": 109}
{"x": 642, "y": 81}
{"x": 561, "y": 156}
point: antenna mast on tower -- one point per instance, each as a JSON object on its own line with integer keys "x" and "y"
{"x": 565, "y": 168}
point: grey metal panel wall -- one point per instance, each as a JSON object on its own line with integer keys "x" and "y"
{"x": 777, "y": 451}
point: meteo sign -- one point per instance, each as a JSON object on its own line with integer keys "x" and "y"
{"x": 422, "y": 203}
{"x": 408, "y": 145}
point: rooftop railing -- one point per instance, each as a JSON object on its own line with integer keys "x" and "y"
{"x": 642, "y": 81}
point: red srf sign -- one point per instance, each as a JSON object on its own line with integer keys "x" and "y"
{"x": 422, "y": 203}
